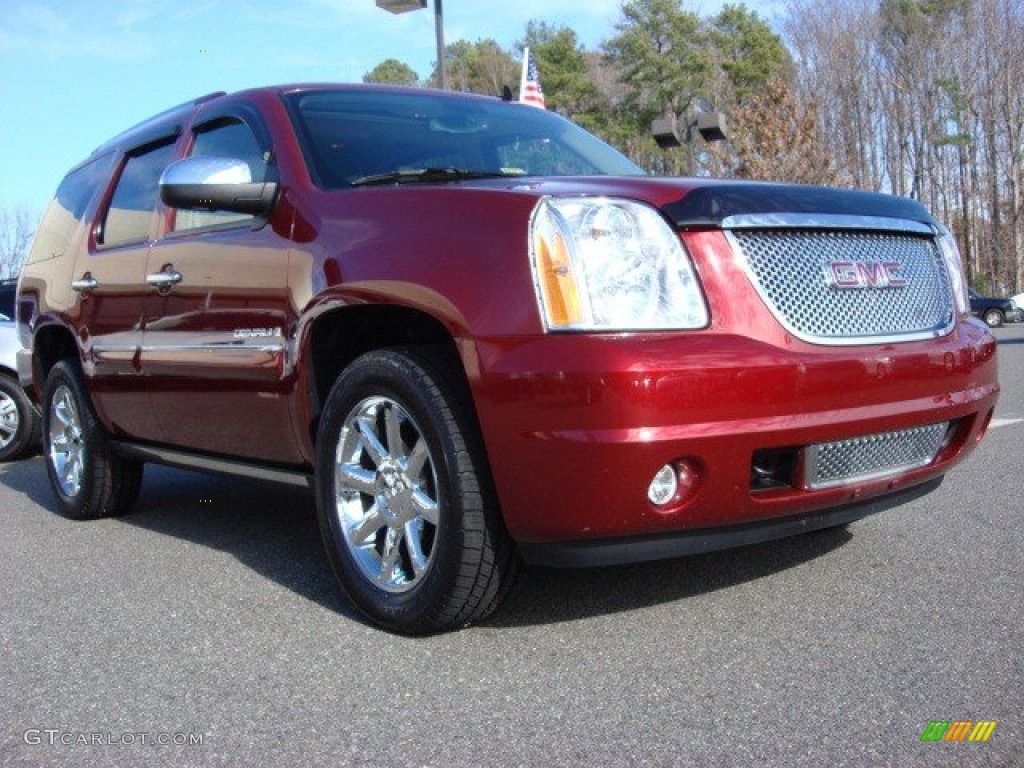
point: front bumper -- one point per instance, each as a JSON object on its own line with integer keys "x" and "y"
{"x": 576, "y": 426}
{"x": 588, "y": 553}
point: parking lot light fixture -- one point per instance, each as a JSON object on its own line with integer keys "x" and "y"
{"x": 404, "y": 6}
{"x": 401, "y": 6}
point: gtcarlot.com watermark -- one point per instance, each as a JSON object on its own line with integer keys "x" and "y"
{"x": 54, "y": 736}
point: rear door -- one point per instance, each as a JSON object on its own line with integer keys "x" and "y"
{"x": 109, "y": 276}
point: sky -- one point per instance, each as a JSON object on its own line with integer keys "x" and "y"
{"x": 73, "y": 74}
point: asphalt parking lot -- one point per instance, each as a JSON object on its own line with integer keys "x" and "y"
{"x": 207, "y": 630}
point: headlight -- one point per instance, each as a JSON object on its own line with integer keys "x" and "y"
{"x": 955, "y": 268}
{"x": 610, "y": 264}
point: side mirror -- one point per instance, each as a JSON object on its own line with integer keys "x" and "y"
{"x": 216, "y": 184}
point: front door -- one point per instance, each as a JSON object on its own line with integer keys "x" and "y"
{"x": 215, "y": 349}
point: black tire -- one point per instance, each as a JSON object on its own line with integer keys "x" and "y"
{"x": 993, "y": 318}
{"x": 19, "y": 421}
{"x": 88, "y": 479}
{"x": 405, "y": 499}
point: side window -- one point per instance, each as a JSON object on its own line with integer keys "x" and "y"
{"x": 232, "y": 139}
{"x": 131, "y": 208}
{"x": 64, "y": 214}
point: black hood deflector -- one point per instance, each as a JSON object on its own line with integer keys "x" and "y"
{"x": 706, "y": 206}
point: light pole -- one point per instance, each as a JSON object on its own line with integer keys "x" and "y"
{"x": 404, "y": 6}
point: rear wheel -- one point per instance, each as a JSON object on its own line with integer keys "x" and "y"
{"x": 993, "y": 318}
{"x": 405, "y": 501}
{"x": 89, "y": 480}
{"x": 19, "y": 421}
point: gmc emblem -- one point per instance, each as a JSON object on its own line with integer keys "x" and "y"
{"x": 864, "y": 274}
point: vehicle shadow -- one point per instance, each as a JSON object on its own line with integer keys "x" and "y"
{"x": 272, "y": 529}
{"x": 268, "y": 527}
{"x": 1011, "y": 333}
{"x": 28, "y": 476}
{"x": 549, "y": 595}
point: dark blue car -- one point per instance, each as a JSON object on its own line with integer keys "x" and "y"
{"x": 994, "y": 311}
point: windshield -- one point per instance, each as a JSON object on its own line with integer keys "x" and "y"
{"x": 350, "y": 136}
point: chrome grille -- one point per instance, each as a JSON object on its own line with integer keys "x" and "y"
{"x": 790, "y": 268}
{"x": 872, "y": 456}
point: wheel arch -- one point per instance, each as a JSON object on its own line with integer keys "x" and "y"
{"x": 51, "y": 344}
{"x": 340, "y": 335}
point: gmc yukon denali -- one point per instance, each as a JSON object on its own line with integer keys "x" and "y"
{"x": 484, "y": 338}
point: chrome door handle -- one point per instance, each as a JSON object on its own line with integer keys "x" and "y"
{"x": 85, "y": 284}
{"x": 164, "y": 279}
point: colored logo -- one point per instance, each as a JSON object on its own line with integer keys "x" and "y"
{"x": 845, "y": 275}
{"x": 959, "y": 730}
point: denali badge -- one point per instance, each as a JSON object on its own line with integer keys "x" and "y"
{"x": 864, "y": 274}
{"x": 256, "y": 333}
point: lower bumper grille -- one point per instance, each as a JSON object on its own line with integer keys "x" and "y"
{"x": 871, "y": 457}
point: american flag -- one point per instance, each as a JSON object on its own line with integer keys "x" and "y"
{"x": 530, "y": 91}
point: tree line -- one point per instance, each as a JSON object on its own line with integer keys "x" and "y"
{"x": 922, "y": 98}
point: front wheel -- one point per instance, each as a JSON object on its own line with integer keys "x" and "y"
{"x": 88, "y": 478}
{"x": 404, "y": 496}
{"x": 993, "y": 318}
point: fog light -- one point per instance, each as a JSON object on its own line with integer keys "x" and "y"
{"x": 674, "y": 483}
{"x": 664, "y": 486}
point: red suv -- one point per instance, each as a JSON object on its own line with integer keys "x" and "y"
{"x": 486, "y": 337}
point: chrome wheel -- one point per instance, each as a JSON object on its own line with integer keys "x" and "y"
{"x": 405, "y": 501}
{"x": 9, "y": 420}
{"x": 386, "y": 494}
{"x": 65, "y": 442}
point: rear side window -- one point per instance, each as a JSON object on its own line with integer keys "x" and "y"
{"x": 64, "y": 214}
{"x": 131, "y": 209}
{"x": 233, "y": 139}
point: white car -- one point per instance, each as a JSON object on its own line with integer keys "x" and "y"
{"x": 1018, "y": 300}
{"x": 20, "y": 422}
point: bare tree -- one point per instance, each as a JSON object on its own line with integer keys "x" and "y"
{"x": 838, "y": 70}
{"x": 923, "y": 98}
{"x": 17, "y": 224}
{"x": 778, "y": 139}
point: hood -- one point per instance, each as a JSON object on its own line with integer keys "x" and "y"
{"x": 705, "y": 203}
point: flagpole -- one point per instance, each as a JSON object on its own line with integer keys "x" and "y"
{"x": 439, "y": 34}
{"x": 522, "y": 77}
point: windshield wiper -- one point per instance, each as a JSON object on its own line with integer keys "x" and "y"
{"x": 427, "y": 175}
